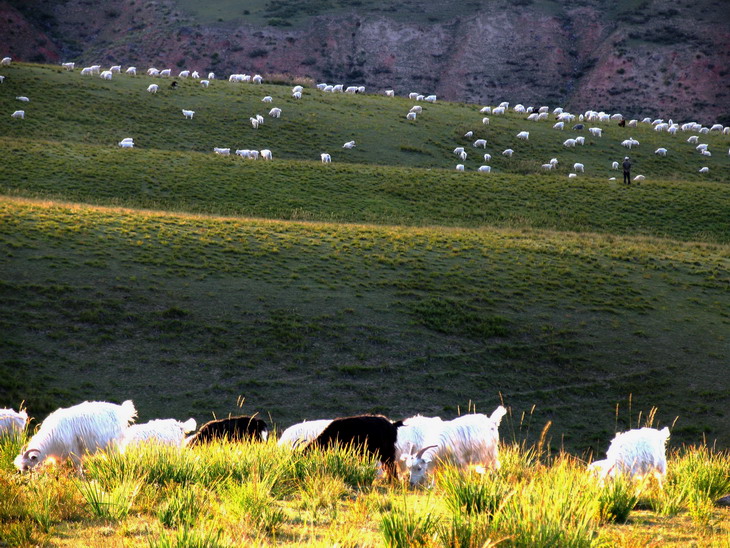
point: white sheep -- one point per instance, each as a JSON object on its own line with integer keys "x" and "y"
{"x": 106, "y": 75}
{"x": 487, "y": 157}
{"x": 211, "y": 76}
{"x": 95, "y": 69}
{"x": 267, "y": 99}
{"x": 68, "y": 66}
{"x": 349, "y": 144}
{"x": 205, "y": 83}
{"x": 296, "y": 89}
{"x": 459, "y": 167}
{"x": 18, "y": 114}
{"x": 326, "y": 158}
{"x": 559, "y": 125}
{"x": 76, "y": 431}
{"x": 547, "y": 166}
{"x": 635, "y": 453}
{"x": 694, "y": 139}
{"x": 416, "y": 108}
{"x": 254, "y": 122}
{"x": 485, "y": 121}
{"x": 498, "y": 111}
{"x": 297, "y": 95}
{"x": 484, "y": 169}
{"x": 701, "y": 147}
{"x": 554, "y": 162}
{"x": 480, "y": 143}
{"x": 266, "y": 154}
{"x": 183, "y": 74}
{"x": 466, "y": 440}
{"x": 166, "y": 73}
{"x": 595, "y": 131}
{"x": 524, "y": 135}
{"x": 188, "y": 113}
{"x": 508, "y": 152}
{"x": 152, "y": 88}
{"x": 243, "y": 153}
{"x": 351, "y": 89}
{"x": 222, "y": 151}
{"x": 298, "y": 435}
{"x": 578, "y": 167}
{"x": 639, "y": 178}
{"x": 572, "y": 175}
{"x": 704, "y": 170}
{"x": 275, "y": 112}
{"x": 411, "y": 116}
{"x": 458, "y": 150}
{"x": 569, "y": 143}
{"x": 390, "y": 93}
{"x": 420, "y": 97}
{"x": 132, "y": 71}
{"x": 257, "y": 79}
{"x": 152, "y": 71}
{"x": 661, "y": 151}
{"x": 485, "y": 110}
{"x": 430, "y": 98}
{"x": 6, "y": 61}
{"x": 580, "y": 140}
{"x": 160, "y": 431}
{"x": 127, "y": 142}
{"x": 22, "y": 98}
{"x": 462, "y": 155}
{"x": 12, "y": 422}
{"x": 614, "y": 165}
{"x": 469, "y": 134}
{"x": 195, "y": 74}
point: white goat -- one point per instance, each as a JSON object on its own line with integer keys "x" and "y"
{"x": 569, "y": 143}
{"x": 68, "y": 66}
{"x": 76, "y": 431}
{"x": 412, "y": 435}
{"x": 661, "y": 151}
{"x": 524, "y": 135}
{"x": 275, "y": 112}
{"x": 459, "y": 167}
{"x": 595, "y": 131}
{"x": 22, "y": 98}
{"x": 636, "y": 453}
{"x": 266, "y": 154}
{"x": 298, "y": 435}
{"x": 480, "y": 143}
{"x": 639, "y": 178}
{"x": 205, "y": 83}
{"x": 390, "y": 93}
{"x": 152, "y": 88}
{"x": 466, "y": 440}
{"x": 12, "y": 421}
{"x": 132, "y": 71}
{"x": 349, "y": 144}
{"x": 411, "y": 116}
{"x": 578, "y": 167}
{"x": 267, "y": 99}
{"x": 18, "y": 114}
{"x": 222, "y": 151}
{"x": 326, "y": 158}
{"x": 485, "y": 121}
{"x": 614, "y": 165}
{"x": 188, "y": 113}
{"x": 487, "y": 157}
{"x": 6, "y": 61}
{"x": 484, "y": 169}
{"x": 160, "y": 431}
{"x": 704, "y": 170}
{"x": 559, "y": 125}
{"x": 508, "y": 152}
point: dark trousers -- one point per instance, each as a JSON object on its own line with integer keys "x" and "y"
{"x": 627, "y": 177}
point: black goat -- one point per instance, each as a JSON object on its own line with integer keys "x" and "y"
{"x": 373, "y": 434}
{"x": 232, "y": 429}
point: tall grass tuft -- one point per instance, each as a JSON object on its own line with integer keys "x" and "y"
{"x": 113, "y": 504}
{"x": 183, "y": 506}
{"x": 470, "y": 492}
{"x": 702, "y": 470}
{"x": 189, "y": 538}
{"x": 403, "y": 528}
{"x": 618, "y": 496}
{"x": 254, "y": 503}
{"x": 322, "y": 493}
{"x": 357, "y": 470}
{"x": 464, "y": 531}
{"x": 558, "y": 507}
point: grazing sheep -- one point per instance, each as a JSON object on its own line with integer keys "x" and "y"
{"x": 106, "y": 75}
{"x": 76, "y": 431}
{"x": 484, "y": 169}
{"x": 524, "y": 135}
{"x": 480, "y": 143}
{"x": 595, "y": 131}
{"x": 161, "y": 431}
{"x": 466, "y": 440}
{"x": 462, "y": 155}
{"x": 374, "y": 434}
{"x": 326, "y": 158}
{"x": 132, "y": 71}
{"x": 267, "y": 99}
{"x": 430, "y": 98}
{"x": 12, "y": 422}
{"x": 127, "y": 142}
{"x": 416, "y": 108}
{"x": 469, "y": 134}
{"x": 580, "y": 140}
{"x": 18, "y": 114}
{"x": 254, "y": 122}
{"x": 578, "y": 167}
{"x": 639, "y": 178}
{"x": 222, "y": 151}
{"x": 390, "y": 93}
{"x": 349, "y": 144}
{"x": 296, "y": 89}
{"x": 195, "y": 74}
{"x": 559, "y": 125}
{"x": 188, "y": 113}
{"x": 704, "y": 170}
{"x": 166, "y": 73}
{"x": 485, "y": 121}
{"x": 547, "y": 166}
{"x": 485, "y": 110}
{"x": 6, "y": 61}
{"x": 554, "y": 162}
{"x": 2, "y": 79}
{"x": 508, "y": 152}
{"x": 458, "y": 150}
{"x": 614, "y": 165}
{"x": 636, "y": 453}
{"x": 257, "y": 79}
{"x": 183, "y": 74}
{"x": 231, "y": 429}
{"x": 661, "y": 151}
{"x": 487, "y": 157}
{"x": 152, "y": 88}
{"x": 116, "y": 69}
{"x": 569, "y": 143}
{"x": 266, "y": 154}
{"x": 211, "y": 76}
{"x": 411, "y": 116}
{"x": 22, "y": 98}
{"x": 302, "y": 433}
{"x": 68, "y": 66}
{"x": 694, "y": 139}
{"x": 459, "y": 167}
{"x": 205, "y": 83}
{"x": 275, "y": 112}
{"x": 572, "y": 175}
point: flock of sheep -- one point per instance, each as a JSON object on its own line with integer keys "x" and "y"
{"x": 540, "y": 114}
{"x": 411, "y": 448}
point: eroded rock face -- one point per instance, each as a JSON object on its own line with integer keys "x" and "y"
{"x": 654, "y": 62}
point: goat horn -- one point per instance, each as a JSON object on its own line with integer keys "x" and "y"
{"x": 29, "y": 451}
{"x": 423, "y": 450}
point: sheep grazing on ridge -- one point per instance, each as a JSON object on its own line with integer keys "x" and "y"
{"x": 132, "y": 71}
{"x": 76, "y": 431}
{"x": 231, "y": 429}
{"x": 480, "y": 143}
{"x": 152, "y": 88}
{"x": 411, "y": 116}
{"x": 160, "y": 431}
{"x": 508, "y": 152}
{"x": 266, "y": 154}
{"x": 524, "y": 135}
{"x": 275, "y": 112}
{"x": 466, "y": 440}
{"x": 302, "y": 433}
{"x": 484, "y": 169}
{"x": 661, "y": 151}
{"x": 326, "y": 158}
{"x": 20, "y": 114}
{"x": 635, "y": 453}
{"x": 349, "y": 144}
{"x": 68, "y": 66}
{"x": 578, "y": 167}
{"x": 12, "y": 422}
{"x": 704, "y": 170}
{"x": 374, "y": 434}
{"x": 222, "y": 151}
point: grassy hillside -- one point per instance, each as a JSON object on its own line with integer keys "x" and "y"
{"x": 444, "y": 288}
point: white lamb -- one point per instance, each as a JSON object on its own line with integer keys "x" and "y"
{"x": 326, "y": 158}
{"x": 188, "y": 114}
{"x": 411, "y": 116}
{"x": 661, "y": 151}
{"x": 161, "y": 431}
{"x": 485, "y": 121}
{"x": 152, "y": 88}
{"x": 480, "y": 143}
{"x": 578, "y": 167}
{"x": 132, "y": 71}
{"x": 484, "y": 169}
{"x": 266, "y": 154}
{"x": 636, "y": 453}
{"x": 487, "y": 157}
{"x": 466, "y": 440}
{"x": 508, "y": 152}
{"x": 559, "y": 125}
{"x": 18, "y": 114}
{"x": 704, "y": 170}
{"x": 6, "y": 61}
{"x": 459, "y": 167}
{"x": 76, "y": 431}
{"x": 12, "y": 422}
{"x": 298, "y": 435}
{"x": 569, "y": 143}
{"x": 349, "y": 144}
{"x": 524, "y": 135}
{"x": 275, "y": 112}
{"x": 639, "y": 178}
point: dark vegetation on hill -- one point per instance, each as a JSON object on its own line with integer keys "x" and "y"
{"x": 638, "y": 57}
{"x": 410, "y": 288}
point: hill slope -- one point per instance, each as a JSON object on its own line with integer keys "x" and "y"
{"x": 645, "y": 58}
